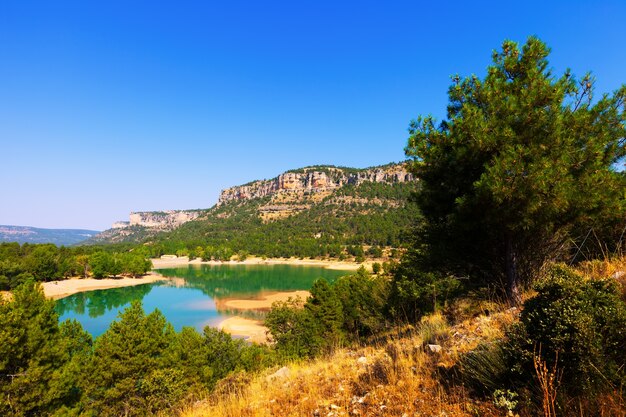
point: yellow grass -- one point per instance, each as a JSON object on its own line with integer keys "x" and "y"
{"x": 598, "y": 268}
{"x": 399, "y": 377}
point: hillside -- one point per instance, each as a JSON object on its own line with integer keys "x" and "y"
{"x": 313, "y": 211}
{"x": 60, "y": 237}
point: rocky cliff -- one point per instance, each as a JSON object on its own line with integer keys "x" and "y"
{"x": 289, "y": 194}
{"x": 315, "y": 180}
{"x": 163, "y": 219}
{"x": 145, "y": 223}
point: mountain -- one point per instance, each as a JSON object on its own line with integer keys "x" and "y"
{"x": 27, "y": 234}
{"x": 312, "y": 211}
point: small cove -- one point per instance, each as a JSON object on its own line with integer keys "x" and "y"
{"x": 194, "y": 295}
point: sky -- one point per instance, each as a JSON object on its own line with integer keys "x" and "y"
{"x": 116, "y": 106}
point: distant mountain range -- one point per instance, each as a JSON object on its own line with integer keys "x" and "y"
{"x": 27, "y": 234}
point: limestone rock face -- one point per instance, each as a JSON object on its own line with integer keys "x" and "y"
{"x": 169, "y": 219}
{"x": 315, "y": 179}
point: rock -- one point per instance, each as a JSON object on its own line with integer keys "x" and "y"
{"x": 315, "y": 179}
{"x": 280, "y": 374}
{"x": 619, "y": 274}
{"x": 166, "y": 220}
{"x": 362, "y": 360}
{"x": 434, "y": 348}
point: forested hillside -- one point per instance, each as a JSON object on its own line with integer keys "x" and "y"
{"x": 311, "y": 212}
{"x": 341, "y": 224}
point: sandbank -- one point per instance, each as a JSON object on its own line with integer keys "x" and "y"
{"x": 63, "y": 288}
{"x": 160, "y": 263}
{"x": 250, "y": 330}
{"x": 264, "y": 301}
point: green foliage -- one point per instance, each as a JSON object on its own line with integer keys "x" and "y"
{"x": 515, "y": 166}
{"x": 577, "y": 327}
{"x": 326, "y": 314}
{"x": 349, "y": 310}
{"x": 363, "y": 299}
{"x": 291, "y": 329}
{"x": 38, "y": 372}
{"x": 416, "y": 292}
{"x": 102, "y": 263}
{"x": 484, "y": 369}
{"x": 328, "y": 228}
{"x": 130, "y": 351}
{"x": 47, "y": 262}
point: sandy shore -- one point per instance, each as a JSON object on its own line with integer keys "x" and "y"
{"x": 253, "y": 330}
{"x": 252, "y": 260}
{"x": 263, "y": 302}
{"x": 250, "y": 330}
{"x": 60, "y": 289}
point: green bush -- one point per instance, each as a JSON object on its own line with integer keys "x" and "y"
{"x": 578, "y": 327}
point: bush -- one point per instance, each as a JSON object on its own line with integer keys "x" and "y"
{"x": 577, "y": 327}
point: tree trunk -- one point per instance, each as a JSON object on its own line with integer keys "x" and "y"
{"x": 512, "y": 275}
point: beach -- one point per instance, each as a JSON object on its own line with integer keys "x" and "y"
{"x": 251, "y": 330}
{"x": 253, "y": 260}
{"x": 63, "y": 288}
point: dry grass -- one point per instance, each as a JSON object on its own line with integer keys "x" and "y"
{"x": 398, "y": 377}
{"x": 598, "y": 269}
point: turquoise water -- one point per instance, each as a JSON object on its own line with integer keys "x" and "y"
{"x": 189, "y": 299}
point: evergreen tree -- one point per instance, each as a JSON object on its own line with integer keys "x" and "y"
{"x": 522, "y": 158}
{"x": 326, "y": 314}
{"x": 131, "y": 352}
{"x": 35, "y": 378}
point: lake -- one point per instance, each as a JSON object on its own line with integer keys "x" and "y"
{"x": 195, "y": 295}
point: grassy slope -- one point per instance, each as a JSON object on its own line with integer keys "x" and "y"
{"x": 397, "y": 377}
{"x": 393, "y": 378}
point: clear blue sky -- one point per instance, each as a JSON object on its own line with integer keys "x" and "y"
{"x": 116, "y": 106}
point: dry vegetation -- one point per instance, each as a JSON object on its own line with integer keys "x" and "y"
{"x": 402, "y": 376}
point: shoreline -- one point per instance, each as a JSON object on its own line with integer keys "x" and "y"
{"x": 249, "y": 329}
{"x": 63, "y": 288}
{"x": 263, "y": 302}
{"x": 162, "y": 263}
{"x": 60, "y": 289}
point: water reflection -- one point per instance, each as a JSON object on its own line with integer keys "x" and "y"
{"x": 245, "y": 281}
{"x": 96, "y": 303}
{"x": 193, "y": 295}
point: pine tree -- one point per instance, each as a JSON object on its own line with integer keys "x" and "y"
{"x": 522, "y": 158}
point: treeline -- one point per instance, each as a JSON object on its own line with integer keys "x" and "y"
{"x": 47, "y": 262}
{"x": 371, "y": 214}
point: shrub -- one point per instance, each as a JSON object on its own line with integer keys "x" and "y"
{"x": 575, "y": 326}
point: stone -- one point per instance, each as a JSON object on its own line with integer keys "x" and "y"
{"x": 280, "y": 374}
{"x": 434, "y": 348}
